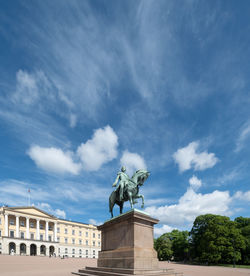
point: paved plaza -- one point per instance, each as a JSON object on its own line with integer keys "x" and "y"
{"x": 45, "y": 266}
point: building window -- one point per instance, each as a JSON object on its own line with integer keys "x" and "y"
{"x": 58, "y": 238}
{"x": 50, "y": 228}
{"x": 99, "y": 243}
{"x": 93, "y": 235}
{"x": 32, "y": 225}
{"x": 86, "y": 234}
{"x": 12, "y": 222}
{"x": 66, "y": 240}
{"x": 73, "y": 232}
{"x": 0, "y": 221}
{"x": 73, "y": 251}
{"x": 87, "y": 252}
{"x": 93, "y": 252}
{"x": 22, "y": 222}
{"x": 80, "y": 241}
{"x": 93, "y": 243}
{"x": 0, "y": 246}
{"x": 66, "y": 250}
{"x": 22, "y": 235}
{"x": 32, "y": 236}
{"x": 41, "y": 226}
{"x": 80, "y": 232}
{"x": 12, "y": 234}
{"x": 0, "y": 233}
{"x": 41, "y": 237}
{"x": 58, "y": 229}
{"x": 73, "y": 241}
{"x": 99, "y": 236}
{"x": 65, "y": 231}
{"x": 87, "y": 242}
{"x": 50, "y": 238}
{"x": 59, "y": 250}
{"x": 80, "y": 251}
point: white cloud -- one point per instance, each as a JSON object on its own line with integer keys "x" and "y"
{"x": 94, "y": 222}
{"x": 47, "y": 208}
{"x": 191, "y": 205}
{"x": 26, "y": 88}
{"x": 132, "y": 162}
{"x": 158, "y": 231}
{"x": 15, "y": 192}
{"x": 53, "y": 160}
{"x": 60, "y": 213}
{"x": 100, "y": 149}
{"x": 244, "y": 135}
{"x": 72, "y": 120}
{"x": 188, "y": 157}
{"x": 242, "y": 195}
{"x": 195, "y": 183}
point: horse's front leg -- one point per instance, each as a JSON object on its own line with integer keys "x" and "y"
{"x": 142, "y": 198}
{"x": 121, "y": 208}
{"x": 130, "y": 200}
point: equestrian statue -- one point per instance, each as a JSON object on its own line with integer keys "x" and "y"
{"x": 128, "y": 189}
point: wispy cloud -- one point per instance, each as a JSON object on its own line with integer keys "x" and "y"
{"x": 47, "y": 208}
{"x": 243, "y": 136}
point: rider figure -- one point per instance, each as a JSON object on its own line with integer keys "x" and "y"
{"x": 124, "y": 178}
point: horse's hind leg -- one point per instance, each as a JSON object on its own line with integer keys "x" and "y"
{"x": 111, "y": 206}
{"x": 121, "y": 208}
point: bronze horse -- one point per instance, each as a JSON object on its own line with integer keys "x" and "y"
{"x": 131, "y": 191}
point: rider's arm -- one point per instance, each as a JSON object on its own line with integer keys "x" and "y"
{"x": 116, "y": 180}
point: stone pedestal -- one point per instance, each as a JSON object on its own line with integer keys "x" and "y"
{"x": 127, "y": 242}
{"x": 127, "y": 247}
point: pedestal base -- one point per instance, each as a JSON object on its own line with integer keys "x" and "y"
{"x": 127, "y": 247}
{"x": 104, "y": 271}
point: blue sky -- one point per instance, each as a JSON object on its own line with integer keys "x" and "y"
{"x": 88, "y": 86}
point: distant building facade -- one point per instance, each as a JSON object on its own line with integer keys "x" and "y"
{"x": 31, "y": 231}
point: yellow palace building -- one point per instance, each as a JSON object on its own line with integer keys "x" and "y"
{"x": 31, "y": 231}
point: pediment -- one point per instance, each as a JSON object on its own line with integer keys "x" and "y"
{"x": 30, "y": 211}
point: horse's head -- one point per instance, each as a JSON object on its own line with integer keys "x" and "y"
{"x": 140, "y": 176}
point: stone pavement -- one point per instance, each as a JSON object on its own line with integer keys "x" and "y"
{"x": 197, "y": 270}
{"x": 45, "y": 266}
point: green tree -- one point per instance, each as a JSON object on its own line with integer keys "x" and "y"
{"x": 180, "y": 244}
{"x": 216, "y": 239}
{"x": 174, "y": 244}
{"x": 163, "y": 246}
{"x": 244, "y": 225}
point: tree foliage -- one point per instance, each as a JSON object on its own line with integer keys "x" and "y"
{"x": 244, "y": 225}
{"x": 216, "y": 239}
{"x": 212, "y": 239}
{"x": 163, "y": 246}
{"x": 172, "y": 245}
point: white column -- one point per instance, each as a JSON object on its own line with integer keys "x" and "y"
{"x": 27, "y": 228}
{"x": 55, "y": 232}
{"x": 47, "y": 231}
{"x": 6, "y": 224}
{"x": 17, "y": 226}
{"x": 38, "y": 229}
